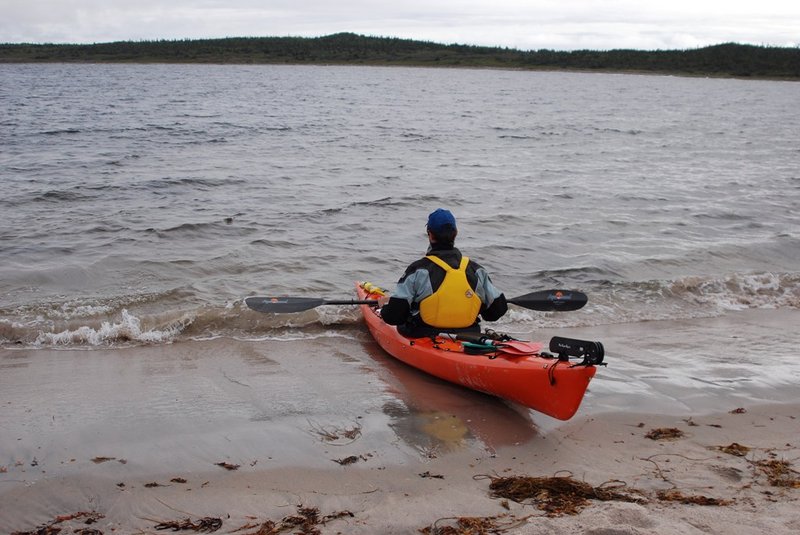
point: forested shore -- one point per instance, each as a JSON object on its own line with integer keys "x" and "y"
{"x": 728, "y": 59}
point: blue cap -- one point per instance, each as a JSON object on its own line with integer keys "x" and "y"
{"x": 441, "y": 220}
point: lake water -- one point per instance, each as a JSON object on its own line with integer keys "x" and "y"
{"x": 142, "y": 203}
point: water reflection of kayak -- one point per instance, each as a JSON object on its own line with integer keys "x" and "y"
{"x": 430, "y": 413}
{"x": 517, "y": 371}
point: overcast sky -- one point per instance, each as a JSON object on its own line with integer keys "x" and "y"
{"x": 522, "y": 24}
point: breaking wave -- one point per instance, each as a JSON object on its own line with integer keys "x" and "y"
{"x": 99, "y": 325}
{"x": 127, "y": 330}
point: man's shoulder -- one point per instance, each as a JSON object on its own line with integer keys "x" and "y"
{"x": 475, "y": 266}
{"x": 422, "y": 263}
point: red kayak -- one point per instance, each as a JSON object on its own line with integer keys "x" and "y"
{"x": 514, "y": 370}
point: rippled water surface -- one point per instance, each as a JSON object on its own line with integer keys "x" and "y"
{"x": 143, "y": 202}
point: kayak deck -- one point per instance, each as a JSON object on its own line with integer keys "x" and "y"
{"x": 520, "y": 372}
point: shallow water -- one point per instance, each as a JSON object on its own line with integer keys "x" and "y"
{"x": 308, "y": 403}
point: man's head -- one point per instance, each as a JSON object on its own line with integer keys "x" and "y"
{"x": 442, "y": 226}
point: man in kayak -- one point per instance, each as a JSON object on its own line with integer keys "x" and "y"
{"x": 444, "y": 291}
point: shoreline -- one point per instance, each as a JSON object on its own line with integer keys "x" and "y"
{"x": 370, "y": 496}
{"x": 736, "y": 60}
{"x": 249, "y": 432}
{"x": 626, "y": 72}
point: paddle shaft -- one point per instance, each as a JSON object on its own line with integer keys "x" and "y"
{"x": 370, "y": 302}
{"x": 545, "y": 301}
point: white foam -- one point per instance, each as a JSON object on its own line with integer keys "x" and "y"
{"x": 743, "y": 291}
{"x": 69, "y": 311}
{"x": 333, "y": 315}
{"x": 129, "y": 329}
{"x": 292, "y": 336}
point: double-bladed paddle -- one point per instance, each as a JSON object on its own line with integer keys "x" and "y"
{"x": 544, "y": 301}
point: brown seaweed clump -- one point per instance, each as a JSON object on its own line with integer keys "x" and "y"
{"x": 335, "y": 434}
{"x": 305, "y": 522}
{"x": 465, "y": 525}
{"x": 677, "y": 496}
{"x": 779, "y": 473}
{"x": 228, "y": 466}
{"x": 557, "y": 496}
{"x": 664, "y": 433}
{"x": 53, "y": 528}
{"x": 202, "y": 525}
{"x": 352, "y": 459}
{"x": 734, "y": 448}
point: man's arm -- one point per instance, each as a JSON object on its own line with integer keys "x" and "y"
{"x": 413, "y": 287}
{"x": 494, "y": 302}
{"x": 396, "y": 311}
{"x": 496, "y": 310}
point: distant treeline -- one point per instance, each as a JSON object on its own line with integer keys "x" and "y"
{"x": 348, "y": 49}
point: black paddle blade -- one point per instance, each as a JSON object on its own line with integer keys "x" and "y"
{"x": 283, "y": 304}
{"x": 551, "y": 300}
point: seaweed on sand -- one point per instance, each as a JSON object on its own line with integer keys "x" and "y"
{"x": 559, "y": 495}
{"x": 53, "y": 528}
{"x": 203, "y": 525}
{"x": 734, "y": 448}
{"x": 675, "y": 495}
{"x": 352, "y": 459}
{"x": 465, "y": 525}
{"x": 664, "y": 433}
{"x": 228, "y": 466}
{"x": 305, "y": 522}
{"x": 779, "y": 473}
{"x": 335, "y": 435}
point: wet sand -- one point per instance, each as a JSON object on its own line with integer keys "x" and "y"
{"x": 137, "y": 436}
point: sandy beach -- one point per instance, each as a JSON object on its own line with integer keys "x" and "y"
{"x": 692, "y": 428}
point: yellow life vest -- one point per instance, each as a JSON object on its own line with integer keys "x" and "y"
{"x": 454, "y": 304}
